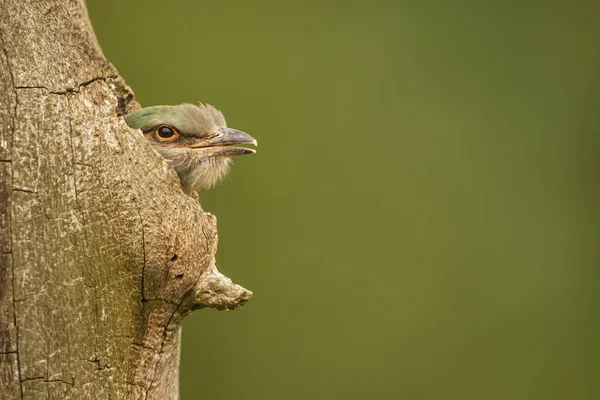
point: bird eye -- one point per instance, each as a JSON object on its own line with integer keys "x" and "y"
{"x": 166, "y": 133}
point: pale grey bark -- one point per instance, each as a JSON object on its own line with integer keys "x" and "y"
{"x": 102, "y": 254}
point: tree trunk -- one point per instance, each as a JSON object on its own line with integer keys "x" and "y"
{"x": 102, "y": 254}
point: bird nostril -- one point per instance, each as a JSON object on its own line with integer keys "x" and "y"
{"x": 174, "y": 258}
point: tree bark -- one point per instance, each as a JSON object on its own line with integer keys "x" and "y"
{"x": 102, "y": 254}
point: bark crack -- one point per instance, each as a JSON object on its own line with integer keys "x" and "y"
{"x": 41, "y": 378}
{"x": 68, "y": 90}
{"x": 12, "y": 262}
{"x": 16, "y": 189}
{"x": 142, "y": 287}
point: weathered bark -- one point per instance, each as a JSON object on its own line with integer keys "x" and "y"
{"x": 102, "y": 254}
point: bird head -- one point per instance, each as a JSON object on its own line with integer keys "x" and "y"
{"x": 195, "y": 138}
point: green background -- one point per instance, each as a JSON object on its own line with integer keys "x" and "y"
{"x": 421, "y": 220}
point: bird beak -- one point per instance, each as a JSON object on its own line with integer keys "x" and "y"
{"x": 221, "y": 145}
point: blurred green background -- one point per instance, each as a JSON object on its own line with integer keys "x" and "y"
{"x": 421, "y": 220}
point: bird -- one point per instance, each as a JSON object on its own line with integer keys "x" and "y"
{"x": 195, "y": 138}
